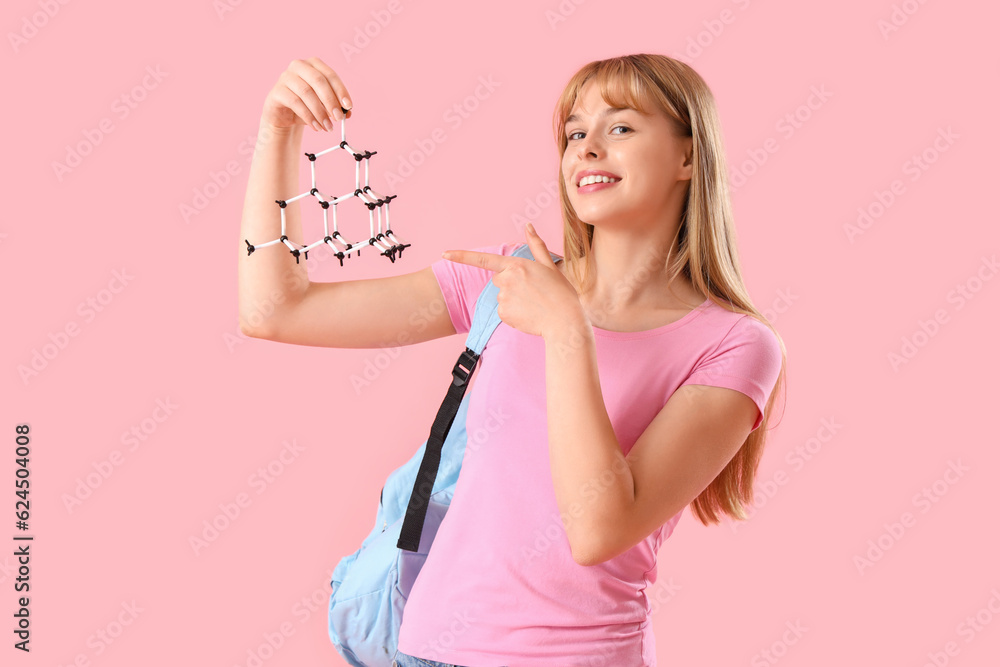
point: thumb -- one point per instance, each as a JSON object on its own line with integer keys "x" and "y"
{"x": 538, "y": 247}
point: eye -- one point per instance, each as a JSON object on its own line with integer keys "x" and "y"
{"x": 616, "y": 127}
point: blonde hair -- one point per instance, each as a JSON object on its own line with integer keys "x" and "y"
{"x": 706, "y": 239}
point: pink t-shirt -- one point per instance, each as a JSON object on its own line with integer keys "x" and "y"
{"x": 500, "y": 586}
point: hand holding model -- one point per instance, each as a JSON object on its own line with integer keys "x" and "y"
{"x": 310, "y": 93}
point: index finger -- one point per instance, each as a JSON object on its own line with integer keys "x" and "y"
{"x": 334, "y": 93}
{"x": 484, "y": 260}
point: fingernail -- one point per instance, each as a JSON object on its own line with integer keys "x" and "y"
{"x": 531, "y": 229}
{"x": 316, "y": 126}
{"x": 347, "y": 102}
{"x": 446, "y": 254}
{"x": 328, "y": 124}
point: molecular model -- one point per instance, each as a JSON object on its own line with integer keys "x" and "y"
{"x": 387, "y": 242}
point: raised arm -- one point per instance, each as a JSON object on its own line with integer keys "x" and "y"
{"x": 277, "y": 301}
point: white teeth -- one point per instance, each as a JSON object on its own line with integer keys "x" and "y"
{"x": 587, "y": 180}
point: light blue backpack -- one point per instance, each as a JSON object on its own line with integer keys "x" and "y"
{"x": 370, "y": 587}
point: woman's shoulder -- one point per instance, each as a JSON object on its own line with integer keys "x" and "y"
{"x": 730, "y": 323}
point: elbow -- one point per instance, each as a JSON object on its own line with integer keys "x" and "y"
{"x": 250, "y": 332}
{"x": 589, "y": 553}
{"x": 589, "y": 558}
{"x": 596, "y": 545}
{"x": 597, "y": 539}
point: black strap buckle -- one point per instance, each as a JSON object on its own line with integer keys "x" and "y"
{"x": 461, "y": 375}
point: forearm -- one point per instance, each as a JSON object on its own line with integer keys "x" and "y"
{"x": 591, "y": 477}
{"x": 270, "y": 278}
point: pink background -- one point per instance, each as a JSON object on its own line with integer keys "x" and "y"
{"x": 169, "y": 334}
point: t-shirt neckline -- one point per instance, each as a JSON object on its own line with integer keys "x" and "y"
{"x": 690, "y": 315}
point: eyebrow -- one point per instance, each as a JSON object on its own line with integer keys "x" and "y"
{"x": 607, "y": 112}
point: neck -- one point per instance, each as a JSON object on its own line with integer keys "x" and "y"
{"x": 628, "y": 271}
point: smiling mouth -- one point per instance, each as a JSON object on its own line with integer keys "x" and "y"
{"x": 588, "y": 180}
{"x": 594, "y": 187}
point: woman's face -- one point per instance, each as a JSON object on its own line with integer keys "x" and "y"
{"x": 640, "y": 152}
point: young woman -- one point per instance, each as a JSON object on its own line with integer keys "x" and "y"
{"x": 625, "y": 382}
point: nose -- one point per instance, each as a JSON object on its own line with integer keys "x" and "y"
{"x": 587, "y": 147}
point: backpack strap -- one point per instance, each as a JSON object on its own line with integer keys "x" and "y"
{"x": 485, "y": 320}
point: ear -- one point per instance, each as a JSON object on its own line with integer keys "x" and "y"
{"x": 687, "y": 168}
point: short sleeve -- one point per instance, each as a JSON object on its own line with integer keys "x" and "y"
{"x": 748, "y": 360}
{"x": 461, "y": 284}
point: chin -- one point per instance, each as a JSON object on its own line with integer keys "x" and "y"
{"x": 600, "y": 217}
